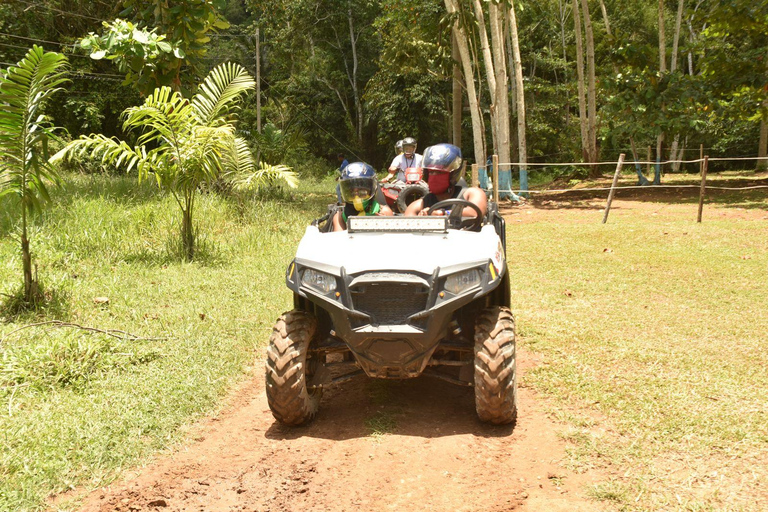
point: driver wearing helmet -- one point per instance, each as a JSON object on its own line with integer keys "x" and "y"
{"x": 443, "y": 168}
{"x": 358, "y": 188}
{"x": 408, "y": 158}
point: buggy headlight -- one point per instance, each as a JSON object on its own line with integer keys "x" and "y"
{"x": 462, "y": 281}
{"x": 318, "y": 281}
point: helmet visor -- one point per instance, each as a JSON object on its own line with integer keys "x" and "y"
{"x": 357, "y": 189}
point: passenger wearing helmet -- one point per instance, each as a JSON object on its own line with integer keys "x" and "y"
{"x": 443, "y": 171}
{"x": 358, "y": 188}
{"x": 399, "y": 147}
{"x": 409, "y": 158}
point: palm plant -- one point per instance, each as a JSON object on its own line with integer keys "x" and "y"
{"x": 24, "y": 133}
{"x": 243, "y": 174}
{"x": 181, "y": 141}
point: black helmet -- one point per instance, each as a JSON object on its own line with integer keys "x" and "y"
{"x": 409, "y": 141}
{"x": 443, "y": 158}
{"x": 358, "y": 184}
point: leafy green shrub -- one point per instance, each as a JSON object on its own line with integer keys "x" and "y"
{"x": 310, "y": 166}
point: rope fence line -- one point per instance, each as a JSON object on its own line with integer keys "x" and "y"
{"x": 642, "y": 187}
{"x": 515, "y": 195}
{"x": 627, "y": 163}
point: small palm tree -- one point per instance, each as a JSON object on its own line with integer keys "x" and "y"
{"x": 242, "y": 173}
{"x": 181, "y": 141}
{"x": 24, "y": 133}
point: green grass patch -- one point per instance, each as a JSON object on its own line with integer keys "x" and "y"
{"x": 380, "y": 424}
{"x": 77, "y": 407}
{"x": 654, "y": 327}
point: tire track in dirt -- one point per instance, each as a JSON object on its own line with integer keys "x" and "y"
{"x": 437, "y": 456}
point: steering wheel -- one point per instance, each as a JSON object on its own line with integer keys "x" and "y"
{"x": 454, "y": 219}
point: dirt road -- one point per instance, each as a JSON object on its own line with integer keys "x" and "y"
{"x": 375, "y": 446}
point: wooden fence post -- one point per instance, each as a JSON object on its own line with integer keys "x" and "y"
{"x": 496, "y": 179}
{"x": 701, "y": 158}
{"x": 475, "y": 175}
{"x": 613, "y": 187}
{"x": 703, "y": 190}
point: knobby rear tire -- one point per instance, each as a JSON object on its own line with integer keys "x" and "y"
{"x": 409, "y": 194}
{"x": 286, "y": 373}
{"x": 495, "y": 366}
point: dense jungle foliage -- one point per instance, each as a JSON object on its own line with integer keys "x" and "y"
{"x": 354, "y": 76}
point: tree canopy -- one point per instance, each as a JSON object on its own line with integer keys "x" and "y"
{"x": 355, "y": 76}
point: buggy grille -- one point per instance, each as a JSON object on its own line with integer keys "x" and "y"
{"x": 390, "y": 303}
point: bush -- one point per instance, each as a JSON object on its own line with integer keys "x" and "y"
{"x": 309, "y": 166}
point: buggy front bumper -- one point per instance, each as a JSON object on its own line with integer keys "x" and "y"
{"x": 394, "y": 320}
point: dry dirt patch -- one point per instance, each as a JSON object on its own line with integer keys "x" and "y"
{"x": 436, "y": 456}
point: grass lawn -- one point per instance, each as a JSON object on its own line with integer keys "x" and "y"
{"x": 652, "y": 328}
{"x": 77, "y": 407}
{"x": 654, "y": 331}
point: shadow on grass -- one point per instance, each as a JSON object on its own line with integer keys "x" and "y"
{"x": 208, "y": 253}
{"x": 51, "y": 304}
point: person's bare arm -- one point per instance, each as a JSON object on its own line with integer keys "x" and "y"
{"x": 385, "y": 210}
{"x": 477, "y": 196}
{"x": 392, "y": 171}
{"x": 338, "y": 222}
{"x": 415, "y": 208}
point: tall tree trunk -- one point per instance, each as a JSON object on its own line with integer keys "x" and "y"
{"x": 562, "y": 7}
{"x": 457, "y": 94}
{"x": 485, "y": 48}
{"x": 580, "y": 82}
{"x": 641, "y": 179}
{"x": 673, "y": 68}
{"x": 605, "y": 19}
{"x": 521, "y": 140}
{"x": 762, "y": 148}
{"x": 591, "y": 90}
{"x": 692, "y": 39}
{"x": 490, "y": 72}
{"x": 353, "y": 78}
{"x": 662, "y": 70}
{"x": 469, "y": 80}
{"x": 496, "y": 19}
{"x": 510, "y": 63}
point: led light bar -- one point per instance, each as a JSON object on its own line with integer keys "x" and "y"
{"x": 375, "y": 224}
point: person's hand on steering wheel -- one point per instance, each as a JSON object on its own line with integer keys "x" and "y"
{"x": 456, "y": 207}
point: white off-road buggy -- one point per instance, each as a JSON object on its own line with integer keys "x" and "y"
{"x": 396, "y": 298}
